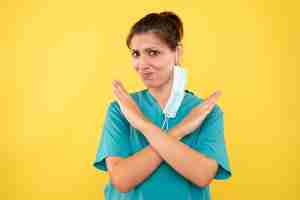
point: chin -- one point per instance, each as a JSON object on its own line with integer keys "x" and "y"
{"x": 152, "y": 83}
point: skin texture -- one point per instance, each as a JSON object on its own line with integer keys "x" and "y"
{"x": 153, "y": 61}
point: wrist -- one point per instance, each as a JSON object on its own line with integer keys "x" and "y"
{"x": 145, "y": 126}
{"x": 176, "y": 133}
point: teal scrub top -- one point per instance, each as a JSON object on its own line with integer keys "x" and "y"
{"x": 119, "y": 138}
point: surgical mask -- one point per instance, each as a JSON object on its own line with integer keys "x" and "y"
{"x": 177, "y": 94}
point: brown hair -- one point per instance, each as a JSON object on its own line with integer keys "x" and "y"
{"x": 166, "y": 25}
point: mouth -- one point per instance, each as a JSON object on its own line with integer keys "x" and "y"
{"x": 148, "y": 75}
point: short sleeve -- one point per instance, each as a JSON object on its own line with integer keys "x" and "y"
{"x": 115, "y": 137}
{"x": 211, "y": 142}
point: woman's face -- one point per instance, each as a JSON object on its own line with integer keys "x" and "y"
{"x": 152, "y": 59}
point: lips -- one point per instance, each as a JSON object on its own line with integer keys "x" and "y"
{"x": 147, "y": 75}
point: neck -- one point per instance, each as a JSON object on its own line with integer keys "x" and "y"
{"x": 162, "y": 93}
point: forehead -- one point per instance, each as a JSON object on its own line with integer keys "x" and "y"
{"x": 146, "y": 40}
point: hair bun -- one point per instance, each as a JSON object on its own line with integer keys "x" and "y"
{"x": 166, "y": 25}
{"x": 176, "y": 20}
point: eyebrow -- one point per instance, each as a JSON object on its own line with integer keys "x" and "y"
{"x": 148, "y": 48}
{"x": 151, "y": 47}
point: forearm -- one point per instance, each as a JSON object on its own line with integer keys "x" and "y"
{"x": 186, "y": 161}
{"x": 133, "y": 170}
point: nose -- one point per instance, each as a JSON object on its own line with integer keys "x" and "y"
{"x": 142, "y": 64}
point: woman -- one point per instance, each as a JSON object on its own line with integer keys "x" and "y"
{"x": 145, "y": 160}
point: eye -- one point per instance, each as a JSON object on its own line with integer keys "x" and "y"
{"x": 134, "y": 54}
{"x": 153, "y": 52}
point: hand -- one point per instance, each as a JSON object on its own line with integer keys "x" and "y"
{"x": 128, "y": 107}
{"x": 195, "y": 118}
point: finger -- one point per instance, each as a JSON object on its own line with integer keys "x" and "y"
{"x": 213, "y": 99}
{"x": 116, "y": 84}
{"x": 116, "y": 93}
{"x": 210, "y": 102}
{"x": 214, "y": 96}
{"x": 122, "y": 89}
{"x": 119, "y": 86}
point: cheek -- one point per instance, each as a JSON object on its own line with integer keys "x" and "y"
{"x": 161, "y": 66}
{"x": 162, "y": 75}
{"x": 135, "y": 64}
{"x": 165, "y": 73}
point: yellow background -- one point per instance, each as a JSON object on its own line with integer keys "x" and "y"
{"x": 58, "y": 59}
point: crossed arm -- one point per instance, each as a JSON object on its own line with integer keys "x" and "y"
{"x": 126, "y": 173}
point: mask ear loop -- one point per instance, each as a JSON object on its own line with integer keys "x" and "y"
{"x": 176, "y": 57}
{"x": 165, "y": 122}
{"x": 176, "y": 54}
{"x": 167, "y": 127}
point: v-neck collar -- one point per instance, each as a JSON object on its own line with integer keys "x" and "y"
{"x": 152, "y": 100}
